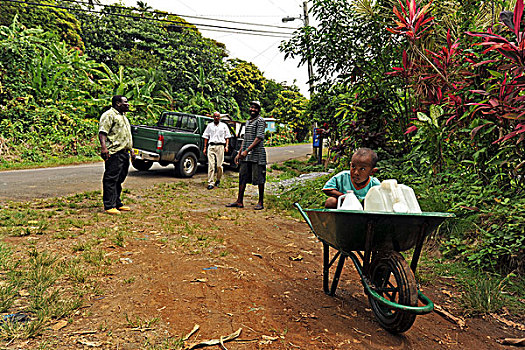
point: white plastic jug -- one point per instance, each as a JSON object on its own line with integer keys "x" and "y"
{"x": 350, "y": 202}
{"x": 392, "y": 197}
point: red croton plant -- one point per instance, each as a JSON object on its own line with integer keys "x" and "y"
{"x": 437, "y": 78}
{"x": 506, "y": 102}
{"x": 441, "y": 78}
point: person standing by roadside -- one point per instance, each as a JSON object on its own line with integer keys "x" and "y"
{"x": 252, "y": 157}
{"x": 114, "y": 134}
{"x": 216, "y": 141}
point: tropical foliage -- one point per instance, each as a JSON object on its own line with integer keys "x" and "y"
{"x": 290, "y": 109}
{"x": 247, "y": 82}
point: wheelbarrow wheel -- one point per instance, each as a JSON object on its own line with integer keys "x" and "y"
{"x": 393, "y": 279}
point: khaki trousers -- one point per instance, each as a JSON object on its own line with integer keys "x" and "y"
{"x": 215, "y": 160}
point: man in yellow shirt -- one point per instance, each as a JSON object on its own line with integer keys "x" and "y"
{"x": 114, "y": 134}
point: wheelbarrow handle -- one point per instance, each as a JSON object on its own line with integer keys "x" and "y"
{"x": 305, "y": 216}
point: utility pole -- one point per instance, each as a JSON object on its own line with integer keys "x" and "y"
{"x": 310, "y": 66}
{"x": 318, "y": 138}
{"x": 306, "y": 23}
{"x": 310, "y": 80}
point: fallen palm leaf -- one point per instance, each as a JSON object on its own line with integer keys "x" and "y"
{"x": 508, "y": 322}
{"x": 202, "y": 280}
{"x": 512, "y": 341}
{"x": 139, "y": 329}
{"x": 266, "y": 340}
{"x": 220, "y": 341}
{"x": 83, "y": 332}
{"x": 91, "y": 344}
{"x": 59, "y": 325}
{"x": 448, "y": 293}
{"x": 267, "y": 337}
{"x": 195, "y": 329}
{"x": 449, "y": 317}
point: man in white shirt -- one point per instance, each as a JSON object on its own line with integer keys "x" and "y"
{"x": 216, "y": 141}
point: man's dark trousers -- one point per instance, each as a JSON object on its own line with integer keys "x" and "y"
{"x": 116, "y": 170}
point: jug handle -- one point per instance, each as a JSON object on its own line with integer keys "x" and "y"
{"x": 340, "y": 199}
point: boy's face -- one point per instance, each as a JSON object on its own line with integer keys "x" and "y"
{"x": 361, "y": 169}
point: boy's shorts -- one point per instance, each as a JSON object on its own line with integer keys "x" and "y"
{"x": 252, "y": 173}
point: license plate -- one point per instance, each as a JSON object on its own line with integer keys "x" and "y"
{"x": 136, "y": 151}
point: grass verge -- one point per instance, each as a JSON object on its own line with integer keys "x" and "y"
{"x": 52, "y": 162}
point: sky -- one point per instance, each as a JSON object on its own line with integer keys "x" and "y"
{"x": 263, "y": 51}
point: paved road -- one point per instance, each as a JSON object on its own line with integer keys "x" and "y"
{"x": 21, "y": 185}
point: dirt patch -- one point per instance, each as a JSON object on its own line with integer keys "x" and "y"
{"x": 187, "y": 260}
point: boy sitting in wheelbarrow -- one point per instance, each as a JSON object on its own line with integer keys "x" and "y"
{"x": 358, "y": 179}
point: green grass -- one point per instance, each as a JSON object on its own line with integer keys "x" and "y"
{"x": 34, "y": 283}
{"x": 293, "y": 168}
{"x": 55, "y": 161}
{"x": 481, "y": 292}
{"x": 138, "y": 322}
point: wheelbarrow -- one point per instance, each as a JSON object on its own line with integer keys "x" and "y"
{"x": 373, "y": 241}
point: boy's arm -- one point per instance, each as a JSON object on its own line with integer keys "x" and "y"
{"x": 332, "y": 193}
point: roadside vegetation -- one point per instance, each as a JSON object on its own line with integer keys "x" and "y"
{"x": 438, "y": 94}
{"x": 51, "y": 162}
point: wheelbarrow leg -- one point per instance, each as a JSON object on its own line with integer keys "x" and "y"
{"x": 327, "y": 264}
{"x": 326, "y": 267}
{"x": 418, "y": 248}
{"x": 337, "y": 274}
{"x": 368, "y": 247}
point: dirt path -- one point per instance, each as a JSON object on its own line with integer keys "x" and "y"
{"x": 187, "y": 260}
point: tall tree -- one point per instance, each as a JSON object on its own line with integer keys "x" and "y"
{"x": 355, "y": 51}
{"x": 247, "y": 82}
{"x": 290, "y": 108}
{"x": 51, "y": 19}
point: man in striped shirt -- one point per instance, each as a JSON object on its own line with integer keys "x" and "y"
{"x": 252, "y": 157}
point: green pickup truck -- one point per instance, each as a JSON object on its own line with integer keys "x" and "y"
{"x": 177, "y": 139}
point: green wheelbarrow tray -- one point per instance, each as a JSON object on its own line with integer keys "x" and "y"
{"x": 373, "y": 240}
{"x": 346, "y": 230}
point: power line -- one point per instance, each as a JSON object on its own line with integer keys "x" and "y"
{"x": 262, "y": 52}
{"x": 285, "y": 35}
{"x": 275, "y": 5}
{"x": 185, "y": 16}
{"x": 181, "y": 24}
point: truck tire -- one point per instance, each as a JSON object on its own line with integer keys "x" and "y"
{"x": 141, "y": 165}
{"x": 187, "y": 165}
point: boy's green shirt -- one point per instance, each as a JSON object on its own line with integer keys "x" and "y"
{"x": 342, "y": 182}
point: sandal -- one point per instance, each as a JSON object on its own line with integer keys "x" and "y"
{"x": 258, "y": 207}
{"x": 235, "y": 205}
